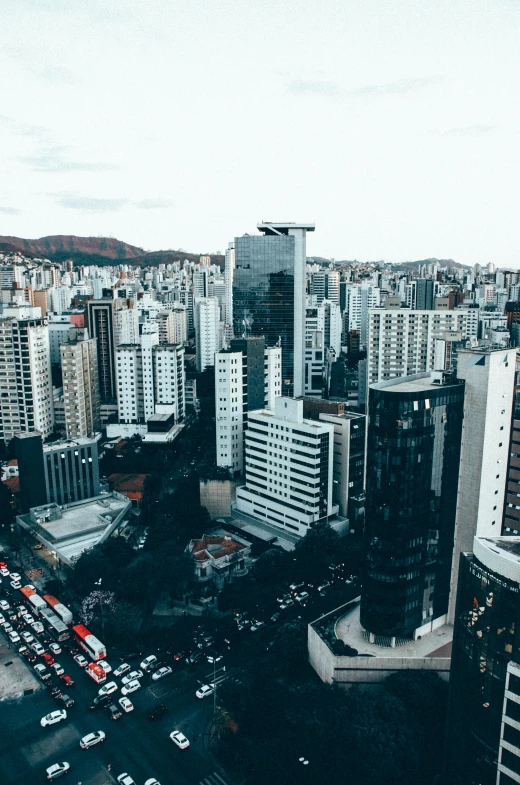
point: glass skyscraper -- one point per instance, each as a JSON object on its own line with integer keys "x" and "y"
{"x": 414, "y": 441}
{"x": 269, "y": 294}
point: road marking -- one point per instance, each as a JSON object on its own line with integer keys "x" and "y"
{"x": 213, "y": 779}
{"x": 160, "y": 692}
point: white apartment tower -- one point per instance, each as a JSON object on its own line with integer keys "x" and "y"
{"x": 288, "y": 468}
{"x": 126, "y": 326}
{"x": 207, "y": 331}
{"x": 489, "y": 385}
{"x": 402, "y": 342}
{"x": 80, "y": 385}
{"x": 325, "y": 286}
{"x": 26, "y": 402}
{"x": 359, "y": 298}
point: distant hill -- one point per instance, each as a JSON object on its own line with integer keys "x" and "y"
{"x": 441, "y": 262}
{"x": 95, "y": 250}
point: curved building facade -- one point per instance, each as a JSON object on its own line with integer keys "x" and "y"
{"x": 414, "y": 442}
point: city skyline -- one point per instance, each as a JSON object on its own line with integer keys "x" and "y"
{"x": 390, "y": 126}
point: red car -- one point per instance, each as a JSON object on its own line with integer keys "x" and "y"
{"x": 47, "y": 658}
{"x": 3, "y": 565}
{"x": 67, "y": 679}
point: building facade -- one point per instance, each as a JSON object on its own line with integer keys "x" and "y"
{"x": 288, "y": 468}
{"x": 414, "y": 441}
{"x": 207, "y": 331}
{"x": 269, "y": 283}
{"x": 80, "y": 385}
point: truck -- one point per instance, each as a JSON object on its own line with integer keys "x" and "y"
{"x": 59, "y": 609}
{"x": 96, "y": 673}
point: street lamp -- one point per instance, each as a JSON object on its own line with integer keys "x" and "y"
{"x": 98, "y": 583}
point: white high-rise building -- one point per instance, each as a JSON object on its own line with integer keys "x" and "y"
{"x": 26, "y": 402}
{"x": 240, "y": 381}
{"x": 207, "y": 331}
{"x": 200, "y": 282}
{"x": 489, "y": 377}
{"x": 59, "y": 298}
{"x": 59, "y": 326}
{"x": 325, "y": 286}
{"x": 80, "y": 384}
{"x": 228, "y": 278}
{"x": 126, "y": 326}
{"x": 329, "y": 322}
{"x": 402, "y": 342}
{"x": 360, "y": 297}
{"x": 288, "y": 468}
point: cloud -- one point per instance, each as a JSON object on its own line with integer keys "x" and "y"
{"x": 57, "y": 75}
{"x": 154, "y": 204}
{"x": 9, "y": 211}
{"x": 328, "y": 88}
{"x": 92, "y": 204}
{"x": 53, "y": 159}
{"x": 22, "y": 129}
{"x": 469, "y": 130}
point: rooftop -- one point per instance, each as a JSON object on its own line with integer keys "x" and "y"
{"x": 419, "y": 382}
{"x": 212, "y": 546}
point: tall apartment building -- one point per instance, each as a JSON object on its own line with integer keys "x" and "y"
{"x": 288, "y": 468}
{"x": 247, "y": 378}
{"x": 489, "y": 380}
{"x": 348, "y": 481}
{"x": 483, "y": 728}
{"x": 100, "y": 323}
{"x": 325, "y": 286}
{"x": 329, "y": 322}
{"x": 80, "y": 384}
{"x": 414, "y": 443}
{"x": 420, "y": 294}
{"x": 269, "y": 285}
{"x": 173, "y": 324}
{"x": 360, "y": 298}
{"x": 229, "y": 270}
{"x": 201, "y": 282}
{"x": 511, "y": 522}
{"x": 25, "y": 376}
{"x": 402, "y": 342}
{"x": 207, "y": 331}
{"x": 126, "y": 324}
{"x": 150, "y": 379}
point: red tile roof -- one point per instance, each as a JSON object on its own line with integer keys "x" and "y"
{"x": 214, "y": 547}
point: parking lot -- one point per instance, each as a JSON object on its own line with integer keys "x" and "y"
{"x": 16, "y": 678}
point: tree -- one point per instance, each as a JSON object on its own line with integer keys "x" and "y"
{"x": 6, "y": 504}
{"x": 290, "y": 647}
{"x": 271, "y": 567}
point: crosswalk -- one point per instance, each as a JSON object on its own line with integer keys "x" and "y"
{"x": 213, "y": 779}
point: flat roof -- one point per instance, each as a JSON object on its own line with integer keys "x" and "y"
{"x": 419, "y": 382}
{"x": 310, "y": 227}
{"x": 500, "y": 555}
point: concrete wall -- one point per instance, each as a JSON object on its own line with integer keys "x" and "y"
{"x": 217, "y": 496}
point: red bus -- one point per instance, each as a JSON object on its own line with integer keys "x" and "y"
{"x": 89, "y": 642}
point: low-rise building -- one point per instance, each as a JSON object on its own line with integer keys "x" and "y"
{"x": 218, "y": 558}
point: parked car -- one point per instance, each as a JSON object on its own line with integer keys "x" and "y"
{"x": 302, "y": 596}
{"x": 205, "y": 690}
{"x": 91, "y": 738}
{"x": 195, "y": 657}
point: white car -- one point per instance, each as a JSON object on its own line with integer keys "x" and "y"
{"x": 125, "y": 779}
{"x": 2, "y": 618}
{"x": 108, "y": 689}
{"x": 7, "y": 627}
{"x": 131, "y": 687}
{"x": 55, "y": 648}
{"x": 148, "y": 662}
{"x": 16, "y": 585}
{"x": 132, "y": 677}
{"x": 124, "y": 668}
{"x": 152, "y": 781}
{"x": 37, "y": 648}
{"x": 126, "y": 704}
{"x": 37, "y": 627}
{"x": 53, "y": 718}
{"x": 15, "y": 576}
{"x": 28, "y": 638}
{"x": 56, "y": 770}
{"x": 179, "y": 739}
{"x": 4, "y": 572}
{"x": 4, "y": 606}
{"x": 57, "y": 668}
{"x": 91, "y": 738}
{"x": 104, "y": 664}
{"x": 80, "y": 660}
{"x": 205, "y": 690}
{"x": 14, "y": 637}
{"x": 162, "y": 673}
{"x": 27, "y": 618}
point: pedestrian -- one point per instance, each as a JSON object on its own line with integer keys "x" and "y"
{"x": 109, "y": 766}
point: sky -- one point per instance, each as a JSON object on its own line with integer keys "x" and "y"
{"x": 392, "y": 124}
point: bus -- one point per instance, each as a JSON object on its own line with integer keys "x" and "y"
{"x": 36, "y": 603}
{"x": 56, "y": 627}
{"x": 59, "y": 609}
{"x": 89, "y": 642}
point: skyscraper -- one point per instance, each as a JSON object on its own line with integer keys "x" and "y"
{"x": 269, "y": 294}
{"x": 80, "y": 384}
{"x": 100, "y": 322}
{"x": 414, "y": 440}
{"x": 207, "y": 331}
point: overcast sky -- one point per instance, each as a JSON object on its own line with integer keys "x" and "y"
{"x": 393, "y": 124}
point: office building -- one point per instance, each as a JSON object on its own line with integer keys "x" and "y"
{"x": 483, "y": 728}
{"x": 325, "y": 286}
{"x": 329, "y": 322}
{"x": 489, "y": 377}
{"x": 402, "y": 342}
{"x": 25, "y": 375}
{"x": 269, "y": 284}
{"x": 80, "y": 384}
{"x": 126, "y": 323}
{"x": 421, "y": 293}
{"x": 511, "y": 522}
{"x": 100, "y": 323}
{"x": 359, "y": 299}
{"x": 348, "y": 480}
{"x": 288, "y": 468}
{"x": 28, "y": 449}
{"x": 414, "y": 442}
{"x": 207, "y": 331}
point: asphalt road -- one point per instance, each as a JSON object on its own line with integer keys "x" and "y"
{"x": 133, "y": 744}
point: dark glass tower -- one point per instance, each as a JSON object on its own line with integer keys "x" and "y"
{"x": 269, "y": 294}
{"x": 414, "y": 440}
{"x": 484, "y": 708}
